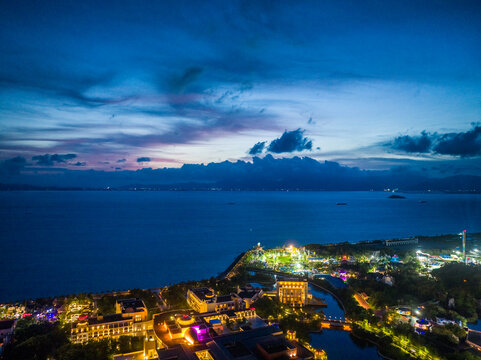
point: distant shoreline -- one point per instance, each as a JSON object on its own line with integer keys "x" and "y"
{"x": 169, "y": 188}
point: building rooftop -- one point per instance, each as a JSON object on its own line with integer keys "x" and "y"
{"x": 282, "y": 278}
{"x": 224, "y": 298}
{"x": 248, "y": 292}
{"x": 107, "y": 319}
{"x": 276, "y": 345}
{"x": 237, "y": 349}
{"x": 207, "y": 295}
{"x": 131, "y": 305}
{"x": 203, "y": 293}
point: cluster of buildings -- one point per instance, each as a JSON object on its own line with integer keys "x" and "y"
{"x": 12, "y": 311}
{"x": 290, "y": 291}
{"x": 215, "y": 315}
{"x": 218, "y": 327}
{"x": 227, "y": 327}
{"x": 40, "y": 312}
{"x": 413, "y": 316}
{"x": 191, "y": 328}
{"x": 204, "y": 300}
{"x": 265, "y": 343}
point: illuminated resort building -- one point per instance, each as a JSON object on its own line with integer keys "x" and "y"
{"x": 293, "y": 292}
{"x": 266, "y": 343}
{"x": 221, "y": 318}
{"x": 204, "y": 300}
{"x": 107, "y": 327}
{"x": 401, "y": 242}
{"x": 130, "y": 319}
{"x": 176, "y": 327}
{"x": 179, "y": 327}
{"x": 134, "y": 308}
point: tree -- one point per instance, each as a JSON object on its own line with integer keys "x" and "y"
{"x": 97, "y": 350}
{"x": 36, "y": 342}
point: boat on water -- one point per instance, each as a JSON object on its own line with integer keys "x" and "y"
{"x": 394, "y": 196}
{"x": 341, "y": 203}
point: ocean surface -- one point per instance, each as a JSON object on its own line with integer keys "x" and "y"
{"x": 60, "y": 242}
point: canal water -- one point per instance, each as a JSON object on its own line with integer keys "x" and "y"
{"x": 475, "y": 326}
{"x": 334, "y": 281}
{"x": 333, "y": 310}
{"x": 338, "y": 344}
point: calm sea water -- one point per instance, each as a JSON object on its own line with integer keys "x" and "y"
{"x": 55, "y": 243}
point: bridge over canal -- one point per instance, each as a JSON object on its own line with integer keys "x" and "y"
{"x": 474, "y": 339}
{"x": 336, "y": 324}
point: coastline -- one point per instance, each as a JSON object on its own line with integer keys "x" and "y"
{"x": 448, "y": 238}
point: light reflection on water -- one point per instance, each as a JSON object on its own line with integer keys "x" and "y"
{"x": 341, "y": 345}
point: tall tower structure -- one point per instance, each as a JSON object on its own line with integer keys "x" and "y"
{"x": 464, "y": 246}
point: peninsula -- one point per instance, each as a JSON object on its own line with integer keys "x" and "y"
{"x": 413, "y": 298}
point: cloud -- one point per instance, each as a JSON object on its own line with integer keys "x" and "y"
{"x": 121, "y": 161}
{"x": 464, "y": 144}
{"x": 49, "y": 160}
{"x": 78, "y": 163}
{"x": 257, "y": 148}
{"x": 262, "y": 173}
{"x": 63, "y": 84}
{"x": 290, "y": 141}
{"x": 186, "y": 80}
{"x": 12, "y": 166}
{"x": 143, "y": 159}
{"x": 413, "y": 144}
{"x": 179, "y": 83}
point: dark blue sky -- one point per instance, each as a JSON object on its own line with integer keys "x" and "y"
{"x": 374, "y": 84}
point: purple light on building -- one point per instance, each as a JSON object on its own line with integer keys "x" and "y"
{"x": 201, "y": 332}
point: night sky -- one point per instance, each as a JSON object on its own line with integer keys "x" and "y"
{"x": 124, "y": 85}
